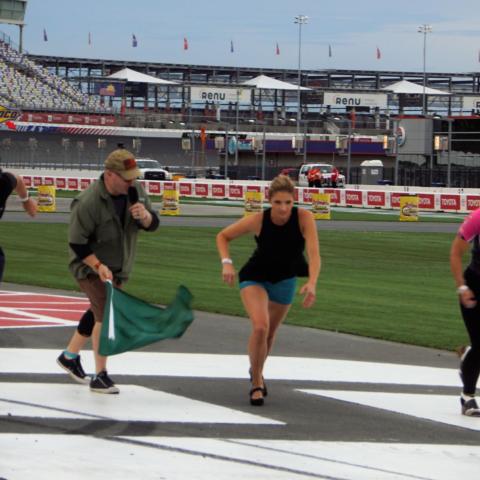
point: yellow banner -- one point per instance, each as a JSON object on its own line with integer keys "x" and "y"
{"x": 46, "y": 198}
{"x": 253, "y": 203}
{"x": 171, "y": 203}
{"x": 409, "y": 208}
{"x": 321, "y": 206}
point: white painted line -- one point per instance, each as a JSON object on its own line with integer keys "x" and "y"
{"x": 235, "y": 366}
{"x": 61, "y": 456}
{"x": 439, "y": 408}
{"x": 133, "y": 404}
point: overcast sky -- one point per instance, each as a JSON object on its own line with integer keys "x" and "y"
{"x": 354, "y": 29}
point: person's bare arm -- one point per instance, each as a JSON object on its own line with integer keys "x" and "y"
{"x": 250, "y": 224}
{"x": 29, "y": 204}
{"x": 458, "y": 249}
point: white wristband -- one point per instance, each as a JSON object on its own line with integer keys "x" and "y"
{"x": 462, "y": 288}
{"x": 227, "y": 261}
{"x": 24, "y": 199}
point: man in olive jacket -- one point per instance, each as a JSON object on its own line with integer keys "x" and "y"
{"x": 102, "y": 236}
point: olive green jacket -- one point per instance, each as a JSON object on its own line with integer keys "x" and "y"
{"x": 93, "y": 222}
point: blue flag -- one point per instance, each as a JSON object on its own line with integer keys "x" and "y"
{"x": 130, "y": 323}
{"x": 134, "y": 40}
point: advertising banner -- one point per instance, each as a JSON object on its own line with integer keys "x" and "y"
{"x": 450, "y": 202}
{"x": 72, "y": 183}
{"x": 171, "y": 202}
{"x": 220, "y": 94}
{"x": 409, "y": 208}
{"x": 109, "y": 89}
{"x": 344, "y": 99}
{"x": 154, "y": 188}
{"x": 321, "y": 206}
{"x": 253, "y": 202}
{"x": 201, "y": 189}
{"x": 218, "y": 191}
{"x": 353, "y": 197}
{"x": 61, "y": 183}
{"x": 473, "y": 202}
{"x": 46, "y": 198}
{"x": 235, "y": 191}
{"x": 185, "y": 189}
{"x": 376, "y": 199}
{"x": 335, "y": 197}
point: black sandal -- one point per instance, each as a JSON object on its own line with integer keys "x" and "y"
{"x": 257, "y": 402}
{"x": 265, "y": 391}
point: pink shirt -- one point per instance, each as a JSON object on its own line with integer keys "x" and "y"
{"x": 470, "y": 227}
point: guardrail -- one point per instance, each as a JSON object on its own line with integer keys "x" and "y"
{"x": 355, "y": 198}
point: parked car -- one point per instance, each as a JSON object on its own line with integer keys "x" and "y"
{"x": 152, "y": 170}
{"x": 320, "y": 175}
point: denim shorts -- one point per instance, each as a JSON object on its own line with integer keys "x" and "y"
{"x": 280, "y": 292}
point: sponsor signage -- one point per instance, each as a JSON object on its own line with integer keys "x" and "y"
{"x": 49, "y": 181}
{"x": 450, "y": 202}
{"x": 72, "y": 183}
{"x": 37, "y": 181}
{"x": 154, "y": 188}
{"x": 376, "y": 199}
{"x": 220, "y": 95}
{"x": 344, "y": 99}
{"x": 185, "y": 189}
{"x": 84, "y": 183}
{"x": 201, "y": 189}
{"x": 61, "y": 183}
{"x": 109, "y": 89}
{"x": 353, "y": 197}
{"x": 307, "y": 194}
{"x": 426, "y": 200}
{"x": 473, "y": 202}
{"x": 7, "y": 114}
{"x": 235, "y": 191}
{"x": 27, "y": 180}
{"x": 334, "y": 195}
{"x": 254, "y": 188}
{"x": 218, "y": 191}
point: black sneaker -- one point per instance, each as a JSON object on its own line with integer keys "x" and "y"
{"x": 470, "y": 407}
{"x": 74, "y": 368}
{"x": 102, "y": 383}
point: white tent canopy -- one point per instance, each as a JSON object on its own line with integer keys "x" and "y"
{"x": 267, "y": 83}
{"x": 132, "y": 76}
{"x": 411, "y": 88}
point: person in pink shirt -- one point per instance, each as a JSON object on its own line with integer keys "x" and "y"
{"x": 468, "y": 290}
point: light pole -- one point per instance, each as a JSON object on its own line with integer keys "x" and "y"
{"x": 300, "y": 20}
{"x": 424, "y": 29}
{"x": 349, "y": 151}
{"x": 449, "y": 163}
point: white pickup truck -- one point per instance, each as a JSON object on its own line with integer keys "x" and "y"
{"x": 320, "y": 175}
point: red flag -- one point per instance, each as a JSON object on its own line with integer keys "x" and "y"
{"x": 353, "y": 118}
{"x": 277, "y": 51}
{"x": 185, "y": 43}
{"x": 379, "y": 54}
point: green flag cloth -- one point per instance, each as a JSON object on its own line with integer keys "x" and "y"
{"x": 130, "y": 323}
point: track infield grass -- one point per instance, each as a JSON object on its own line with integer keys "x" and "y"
{"x": 392, "y": 286}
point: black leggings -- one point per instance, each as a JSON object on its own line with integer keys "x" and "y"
{"x": 471, "y": 316}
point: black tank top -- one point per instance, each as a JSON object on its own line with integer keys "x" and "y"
{"x": 279, "y": 252}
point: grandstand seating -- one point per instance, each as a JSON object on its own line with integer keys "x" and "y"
{"x": 27, "y": 85}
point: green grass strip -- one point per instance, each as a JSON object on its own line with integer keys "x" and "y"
{"x": 392, "y": 286}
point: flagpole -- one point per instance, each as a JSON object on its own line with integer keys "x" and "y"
{"x": 424, "y": 29}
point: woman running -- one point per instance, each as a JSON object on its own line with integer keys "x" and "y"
{"x": 268, "y": 279}
{"x": 468, "y": 289}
